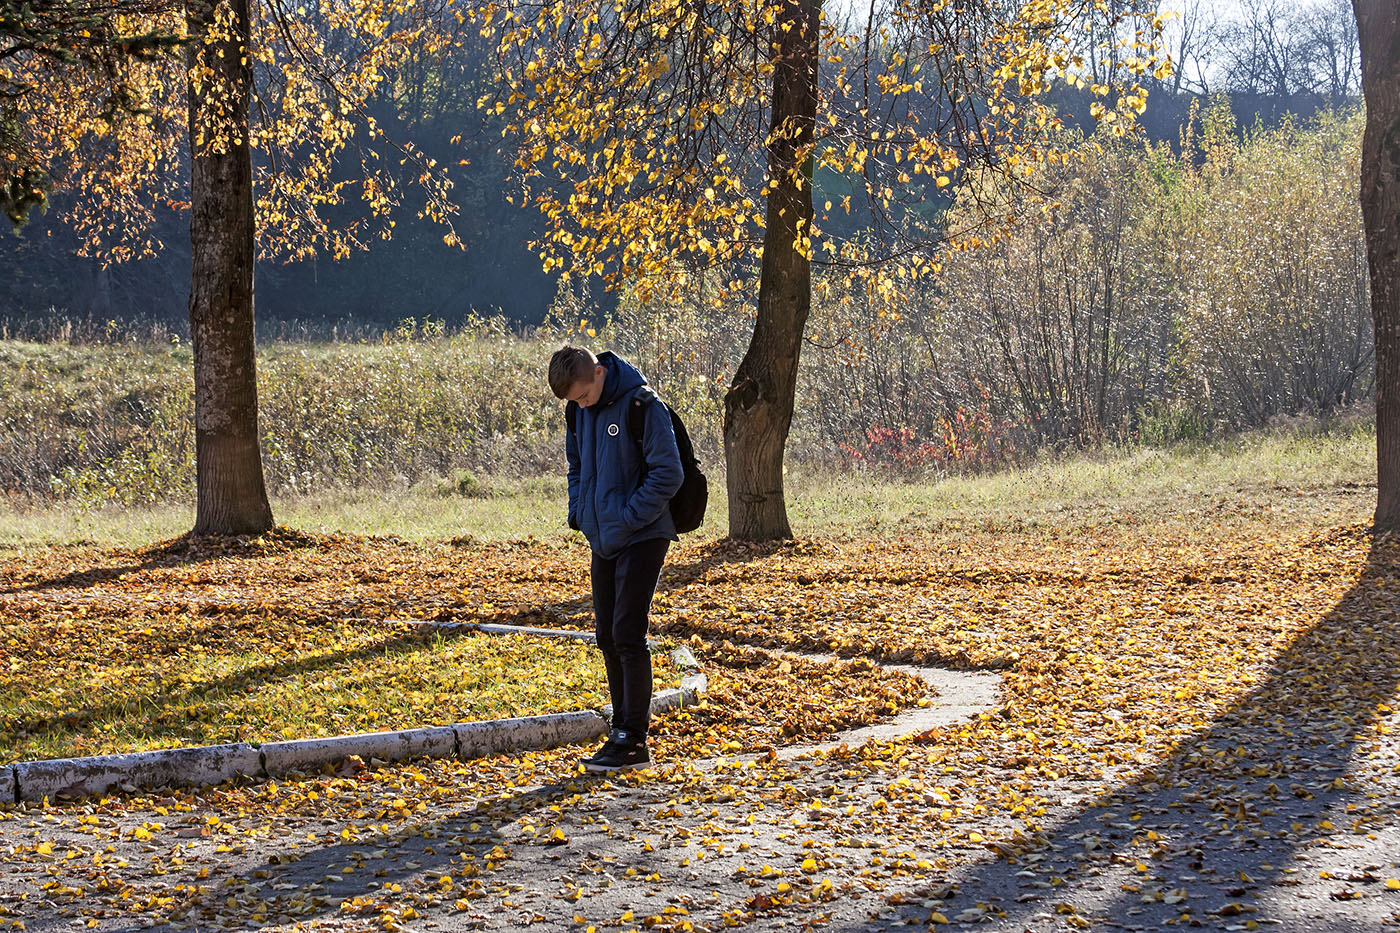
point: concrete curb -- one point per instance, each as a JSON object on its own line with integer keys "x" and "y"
{"x": 27, "y": 781}
{"x": 492, "y": 628}
{"x": 75, "y": 777}
{"x": 692, "y": 687}
{"x": 311, "y": 754}
{"x": 491, "y": 737}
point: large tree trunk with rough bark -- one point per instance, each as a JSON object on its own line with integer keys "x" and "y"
{"x": 232, "y": 497}
{"x": 1378, "y": 23}
{"x": 758, "y": 407}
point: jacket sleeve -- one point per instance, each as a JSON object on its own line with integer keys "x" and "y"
{"x": 663, "y": 468}
{"x": 571, "y": 451}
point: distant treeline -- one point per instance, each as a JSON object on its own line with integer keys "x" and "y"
{"x": 44, "y": 284}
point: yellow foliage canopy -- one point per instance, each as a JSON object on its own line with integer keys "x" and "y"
{"x": 641, "y": 124}
{"x": 316, "y": 147}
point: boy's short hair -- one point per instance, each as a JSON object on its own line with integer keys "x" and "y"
{"x": 570, "y": 365}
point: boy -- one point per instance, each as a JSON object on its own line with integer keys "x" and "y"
{"x": 619, "y": 491}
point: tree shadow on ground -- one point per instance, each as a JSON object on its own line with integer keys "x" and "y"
{"x": 1240, "y": 799}
{"x": 175, "y": 695}
{"x": 1235, "y": 809}
{"x": 186, "y": 550}
{"x": 475, "y": 841}
{"x": 714, "y": 554}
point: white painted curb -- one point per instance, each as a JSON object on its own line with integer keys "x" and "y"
{"x": 311, "y": 754}
{"x": 492, "y": 736}
{"x": 211, "y": 764}
{"x": 206, "y": 764}
{"x": 494, "y": 629}
{"x": 691, "y": 689}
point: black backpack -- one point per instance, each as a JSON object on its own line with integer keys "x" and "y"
{"x": 688, "y": 504}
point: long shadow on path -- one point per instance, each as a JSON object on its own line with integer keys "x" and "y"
{"x": 1227, "y": 828}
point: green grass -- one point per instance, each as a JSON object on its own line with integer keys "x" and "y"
{"x": 516, "y": 509}
{"x": 1141, "y": 486}
{"x": 79, "y": 685}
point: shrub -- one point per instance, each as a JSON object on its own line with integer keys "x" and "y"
{"x": 463, "y": 483}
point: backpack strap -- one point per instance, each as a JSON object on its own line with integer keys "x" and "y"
{"x": 637, "y": 414}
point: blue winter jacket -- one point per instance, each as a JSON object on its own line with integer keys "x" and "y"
{"x": 609, "y": 500}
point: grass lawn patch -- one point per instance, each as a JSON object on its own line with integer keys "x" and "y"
{"x": 81, "y": 682}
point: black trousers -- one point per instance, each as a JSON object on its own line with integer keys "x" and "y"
{"x": 622, "y": 590}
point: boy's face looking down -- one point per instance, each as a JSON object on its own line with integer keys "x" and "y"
{"x": 587, "y": 392}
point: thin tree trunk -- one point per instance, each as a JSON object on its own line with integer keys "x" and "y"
{"x": 1101, "y": 415}
{"x": 758, "y": 407}
{"x": 1378, "y": 23}
{"x": 232, "y": 498}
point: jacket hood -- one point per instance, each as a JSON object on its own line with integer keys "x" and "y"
{"x": 621, "y": 379}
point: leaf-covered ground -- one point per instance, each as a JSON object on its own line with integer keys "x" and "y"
{"x": 286, "y": 636}
{"x": 1196, "y": 727}
{"x": 200, "y": 658}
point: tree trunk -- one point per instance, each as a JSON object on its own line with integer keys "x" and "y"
{"x": 232, "y": 498}
{"x": 1378, "y": 22}
{"x": 758, "y": 407}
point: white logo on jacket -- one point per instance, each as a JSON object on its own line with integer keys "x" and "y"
{"x": 612, "y": 430}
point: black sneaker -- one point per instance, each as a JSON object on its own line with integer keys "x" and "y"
{"x": 607, "y": 748}
{"x": 615, "y": 738}
{"x": 619, "y": 754}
